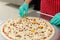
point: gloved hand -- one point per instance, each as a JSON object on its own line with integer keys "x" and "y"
{"x": 23, "y": 10}
{"x": 56, "y": 19}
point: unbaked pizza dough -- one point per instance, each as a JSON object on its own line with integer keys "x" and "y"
{"x": 29, "y": 28}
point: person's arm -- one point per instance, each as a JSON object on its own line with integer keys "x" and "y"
{"x": 28, "y": 1}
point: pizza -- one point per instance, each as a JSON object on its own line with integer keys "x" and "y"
{"x": 29, "y": 28}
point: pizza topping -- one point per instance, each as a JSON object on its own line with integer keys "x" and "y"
{"x": 49, "y": 33}
{"x": 18, "y": 36}
{"x": 30, "y": 27}
{"x": 44, "y": 38}
{"x": 24, "y": 38}
{"x": 31, "y": 19}
{"x": 41, "y": 27}
{"x": 16, "y": 32}
{"x": 32, "y": 31}
{"x": 14, "y": 24}
{"x": 34, "y": 21}
{"x": 20, "y": 30}
{"x": 27, "y": 25}
{"x": 36, "y": 32}
{"x": 51, "y": 30}
{"x": 28, "y": 35}
{"x": 42, "y": 32}
{"x": 9, "y": 27}
{"x": 38, "y": 23}
{"x": 11, "y": 24}
{"x": 27, "y": 18}
{"x": 23, "y": 28}
{"x": 19, "y": 22}
{"x": 10, "y": 37}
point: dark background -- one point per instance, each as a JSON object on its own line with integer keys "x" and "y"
{"x": 36, "y": 4}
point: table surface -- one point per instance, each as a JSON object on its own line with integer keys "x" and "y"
{"x": 31, "y": 14}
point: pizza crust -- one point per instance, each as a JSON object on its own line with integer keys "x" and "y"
{"x": 52, "y": 28}
{"x": 47, "y": 23}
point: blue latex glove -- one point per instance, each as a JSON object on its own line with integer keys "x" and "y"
{"x": 56, "y": 19}
{"x": 23, "y": 10}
